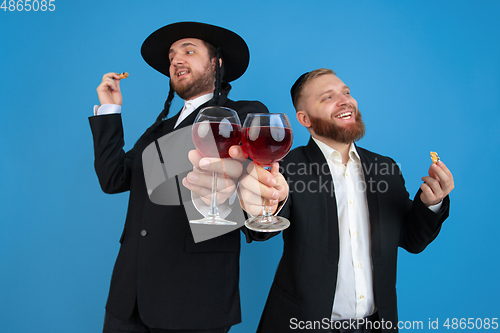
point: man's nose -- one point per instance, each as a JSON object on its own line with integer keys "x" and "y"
{"x": 342, "y": 100}
{"x": 177, "y": 59}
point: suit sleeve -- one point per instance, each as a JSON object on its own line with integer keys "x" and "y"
{"x": 112, "y": 165}
{"x": 422, "y": 225}
{"x": 251, "y": 235}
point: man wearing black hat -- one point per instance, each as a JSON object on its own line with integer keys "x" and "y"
{"x": 162, "y": 280}
{"x": 349, "y": 212}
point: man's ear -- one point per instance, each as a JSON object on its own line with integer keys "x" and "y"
{"x": 303, "y": 118}
{"x": 213, "y": 63}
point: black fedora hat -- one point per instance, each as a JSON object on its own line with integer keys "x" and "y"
{"x": 234, "y": 51}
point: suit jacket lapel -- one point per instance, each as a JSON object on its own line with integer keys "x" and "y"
{"x": 330, "y": 201}
{"x": 189, "y": 120}
{"x": 168, "y": 124}
{"x": 371, "y": 182}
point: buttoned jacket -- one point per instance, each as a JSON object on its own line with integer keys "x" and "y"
{"x": 177, "y": 283}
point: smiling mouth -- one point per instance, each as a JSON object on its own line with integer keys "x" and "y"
{"x": 344, "y": 115}
{"x": 182, "y": 72}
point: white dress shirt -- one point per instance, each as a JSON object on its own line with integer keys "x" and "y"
{"x": 190, "y": 106}
{"x": 354, "y": 296}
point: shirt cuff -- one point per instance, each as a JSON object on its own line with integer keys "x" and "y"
{"x": 107, "y": 109}
{"x": 435, "y": 208}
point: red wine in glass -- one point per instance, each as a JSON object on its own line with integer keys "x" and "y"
{"x": 213, "y": 139}
{"x": 214, "y": 131}
{"x": 266, "y": 145}
{"x": 266, "y": 138}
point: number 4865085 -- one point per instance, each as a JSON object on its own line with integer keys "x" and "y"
{"x": 28, "y": 5}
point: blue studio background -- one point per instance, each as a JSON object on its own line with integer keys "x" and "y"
{"x": 426, "y": 77}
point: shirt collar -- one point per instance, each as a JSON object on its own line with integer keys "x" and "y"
{"x": 333, "y": 154}
{"x": 193, "y": 104}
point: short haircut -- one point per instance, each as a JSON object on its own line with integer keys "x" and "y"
{"x": 297, "y": 95}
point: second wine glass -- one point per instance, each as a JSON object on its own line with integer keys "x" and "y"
{"x": 266, "y": 138}
{"x": 215, "y": 130}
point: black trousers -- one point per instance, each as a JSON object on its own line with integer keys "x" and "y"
{"x": 135, "y": 325}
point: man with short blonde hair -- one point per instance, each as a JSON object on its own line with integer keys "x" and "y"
{"x": 349, "y": 213}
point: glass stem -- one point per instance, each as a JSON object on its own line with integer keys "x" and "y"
{"x": 267, "y": 206}
{"x": 213, "y": 201}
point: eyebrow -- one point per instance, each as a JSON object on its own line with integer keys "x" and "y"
{"x": 183, "y": 45}
{"x": 345, "y": 87}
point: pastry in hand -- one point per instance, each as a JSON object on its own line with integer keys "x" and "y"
{"x": 434, "y": 157}
{"x": 123, "y": 75}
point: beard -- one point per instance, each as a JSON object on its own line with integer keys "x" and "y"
{"x": 342, "y": 134}
{"x": 187, "y": 89}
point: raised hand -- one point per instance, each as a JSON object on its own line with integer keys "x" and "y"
{"x": 437, "y": 185}
{"x": 109, "y": 90}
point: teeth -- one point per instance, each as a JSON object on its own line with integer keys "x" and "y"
{"x": 181, "y": 73}
{"x": 345, "y": 115}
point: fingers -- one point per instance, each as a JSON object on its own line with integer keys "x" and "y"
{"x": 432, "y": 188}
{"x": 254, "y": 195}
{"x": 232, "y": 168}
{"x": 238, "y": 153}
{"x": 194, "y": 157}
{"x": 437, "y": 185}
{"x": 112, "y": 76}
{"x": 200, "y": 179}
{"x": 255, "y": 207}
{"x": 443, "y": 175}
{"x": 256, "y": 187}
{"x": 205, "y": 193}
{"x": 281, "y": 184}
{"x": 260, "y": 182}
{"x": 111, "y": 80}
{"x": 204, "y": 180}
{"x": 261, "y": 174}
{"x": 108, "y": 90}
{"x": 428, "y": 196}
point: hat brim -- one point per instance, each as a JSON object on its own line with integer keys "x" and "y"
{"x": 234, "y": 51}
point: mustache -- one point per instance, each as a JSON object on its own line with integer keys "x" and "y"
{"x": 346, "y": 108}
{"x": 177, "y": 68}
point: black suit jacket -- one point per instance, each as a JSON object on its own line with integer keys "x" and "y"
{"x": 306, "y": 278}
{"x": 178, "y": 284}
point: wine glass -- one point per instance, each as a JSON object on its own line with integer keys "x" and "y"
{"x": 215, "y": 130}
{"x": 266, "y": 138}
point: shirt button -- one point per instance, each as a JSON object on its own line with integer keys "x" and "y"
{"x": 361, "y": 297}
{"x": 355, "y": 233}
{"x": 143, "y": 232}
{"x": 359, "y": 265}
{"x": 350, "y": 201}
{"x": 346, "y": 174}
